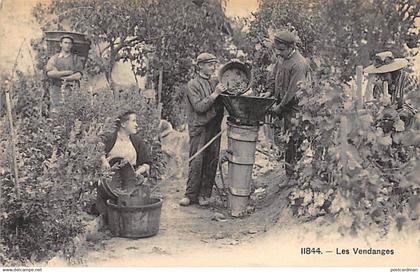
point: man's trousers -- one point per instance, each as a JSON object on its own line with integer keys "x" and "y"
{"x": 202, "y": 169}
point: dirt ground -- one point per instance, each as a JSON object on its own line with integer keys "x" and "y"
{"x": 191, "y": 230}
{"x": 269, "y": 236}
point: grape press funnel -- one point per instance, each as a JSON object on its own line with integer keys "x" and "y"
{"x": 246, "y": 110}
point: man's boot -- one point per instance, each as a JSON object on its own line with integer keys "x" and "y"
{"x": 185, "y": 202}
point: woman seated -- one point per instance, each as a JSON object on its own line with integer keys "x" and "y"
{"x": 128, "y": 156}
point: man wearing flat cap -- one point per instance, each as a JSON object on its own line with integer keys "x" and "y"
{"x": 63, "y": 68}
{"x": 205, "y": 114}
{"x": 386, "y": 68}
{"x": 288, "y": 74}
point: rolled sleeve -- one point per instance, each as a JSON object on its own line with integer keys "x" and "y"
{"x": 51, "y": 64}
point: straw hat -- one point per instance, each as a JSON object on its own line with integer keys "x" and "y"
{"x": 385, "y": 62}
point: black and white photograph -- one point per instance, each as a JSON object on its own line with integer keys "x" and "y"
{"x": 213, "y": 134}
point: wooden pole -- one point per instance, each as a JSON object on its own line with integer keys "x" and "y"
{"x": 147, "y": 75}
{"x": 159, "y": 98}
{"x": 12, "y": 140}
{"x": 343, "y": 143}
{"x": 12, "y": 131}
{"x": 369, "y": 90}
{"x": 386, "y": 98}
{"x": 359, "y": 87}
{"x": 386, "y": 93}
{"x": 91, "y": 95}
{"x": 206, "y": 145}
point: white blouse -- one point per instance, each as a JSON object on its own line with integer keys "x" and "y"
{"x": 123, "y": 148}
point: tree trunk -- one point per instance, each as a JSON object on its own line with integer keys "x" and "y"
{"x": 133, "y": 69}
{"x": 108, "y": 72}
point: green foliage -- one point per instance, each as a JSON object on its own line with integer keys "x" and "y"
{"x": 178, "y": 31}
{"x": 150, "y": 35}
{"x": 369, "y": 181}
{"x": 362, "y": 181}
{"x": 110, "y": 25}
{"x": 317, "y": 122}
{"x": 341, "y": 34}
{"x": 59, "y": 166}
{"x": 385, "y": 25}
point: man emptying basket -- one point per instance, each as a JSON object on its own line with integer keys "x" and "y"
{"x": 205, "y": 114}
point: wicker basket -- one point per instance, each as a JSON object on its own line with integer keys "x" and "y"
{"x": 242, "y": 72}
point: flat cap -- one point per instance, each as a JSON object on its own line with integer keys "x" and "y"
{"x": 285, "y": 37}
{"x": 66, "y": 37}
{"x": 206, "y": 57}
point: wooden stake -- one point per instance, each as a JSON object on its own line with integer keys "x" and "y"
{"x": 159, "y": 98}
{"x": 12, "y": 140}
{"x": 369, "y": 90}
{"x": 268, "y": 130}
{"x": 386, "y": 89}
{"x": 343, "y": 142}
{"x": 10, "y": 117}
{"x": 386, "y": 99}
{"x": 359, "y": 87}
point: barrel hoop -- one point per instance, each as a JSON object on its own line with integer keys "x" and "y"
{"x": 239, "y": 191}
{"x": 241, "y": 159}
{"x": 249, "y": 137}
{"x": 243, "y": 127}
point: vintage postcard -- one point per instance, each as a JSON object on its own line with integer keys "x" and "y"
{"x": 209, "y": 133}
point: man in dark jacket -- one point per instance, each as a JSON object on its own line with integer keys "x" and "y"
{"x": 205, "y": 114}
{"x": 288, "y": 73}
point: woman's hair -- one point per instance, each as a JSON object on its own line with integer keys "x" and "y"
{"x": 123, "y": 118}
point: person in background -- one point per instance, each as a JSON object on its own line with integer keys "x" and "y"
{"x": 205, "y": 114}
{"x": 124, "y": 147}
{"x": 289, "y": 72}
{"x": 64, "y": 69}
{"x": 386, "y": 68}
{"x": 401, "y": 85}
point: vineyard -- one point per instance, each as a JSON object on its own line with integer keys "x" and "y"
{"x": 359, "y": 168}
{"x": 351, "y": 168}
{"x": 59, "y": 166}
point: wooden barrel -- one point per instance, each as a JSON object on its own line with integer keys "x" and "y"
{"x": 134, "y": 222}
{"x": 242, "y": 141}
